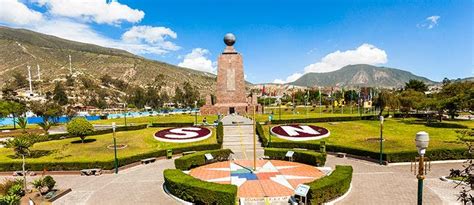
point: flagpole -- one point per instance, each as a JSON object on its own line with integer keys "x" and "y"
{"x": 320, "y": 102}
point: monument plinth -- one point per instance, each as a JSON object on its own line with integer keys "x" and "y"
{"x": 231, "y": 94}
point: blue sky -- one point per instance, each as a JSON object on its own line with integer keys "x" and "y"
{"x": 280, "y": 40}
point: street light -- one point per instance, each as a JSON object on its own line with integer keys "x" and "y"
{"x": 422, "y": 139}
{"x": 125, "y": 116}
{"x": 381, "y": 140}
{"x": 115, "y": 149}
{"x": 195, "y": 113}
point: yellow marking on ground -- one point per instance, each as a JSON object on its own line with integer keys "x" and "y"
{"x": 241, "y": 141}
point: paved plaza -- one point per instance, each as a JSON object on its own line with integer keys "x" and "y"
{"x": 372, "y": 184}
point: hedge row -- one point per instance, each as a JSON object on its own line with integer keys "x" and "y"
{"x": 400, "y": 156}
{"x": 197, "y": 159}
{"x": 220, "y": 133}
{"x": 59, "y": 166}
{"x": 197, "y": 191}
{"x": 303, "y": 156}
{"x": 97, "y": 132}
{"x": 330, "y": 187}
{"x": 172, "y": 124}
{"x": 324, "y": 119}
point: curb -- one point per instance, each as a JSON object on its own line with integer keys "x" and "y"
{"x": 443, "y": 178}
{"x": 432, "y": 162}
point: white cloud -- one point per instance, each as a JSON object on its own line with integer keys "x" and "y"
{"x": 289, "y": 79}
{"x": 429, "y": 23}
{"x": 137, "y": 40}
{"x": 364, "y": 54}
{"x": 151, "y": 35}
{"x": 98, "y": 11}
{"x": 15, "y": 12}
{"x": 198, "y": 60}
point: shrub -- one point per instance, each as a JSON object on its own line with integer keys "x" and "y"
{"x": 96, "y": 132}
{"x": 197, "y": 159}
{"x": 330, "y": 187}
{"x": 80, "y": 127}
{"x": 10, "y": 200}
{"x": 197, "y": 191}
{"x": 303, "y": 156}
{"x": 324, "y": 119}
{"x": 261, "y": 134}
{"x": 5, "y": 186}
{"x": 49, "y": 182}
{"x": 172, "y": 124}
{"x": 220, "y": 133}
{"x": 106, "y": 165}
{"x": 16, "y": 189}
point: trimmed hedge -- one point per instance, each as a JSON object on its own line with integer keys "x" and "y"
{"x": 220, "y": 133}
{"x": 401, "y": 156}
{"x": 303, "y": 156}
{"x": 107, "y": 165}
{"x": 324, "y": 119}
{"x": 330, "y": 187}
{"x": 98, "y": 132}
{"x": 261, "y": 135}
{"x": 190, "y": 161}
{"x": 198, "y": 191}
{"x": 172, "y": 124}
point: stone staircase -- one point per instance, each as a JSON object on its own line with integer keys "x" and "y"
{"x": 238, "y": 136}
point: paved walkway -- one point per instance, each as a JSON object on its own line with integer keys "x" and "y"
{"x": 372, "y": 184}
{"x": 375, "y": 184}
{"x": 138, "y": 185}
{"x": 239, "y": 137}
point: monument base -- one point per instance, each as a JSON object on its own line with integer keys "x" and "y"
{"x": 230, "y": 108}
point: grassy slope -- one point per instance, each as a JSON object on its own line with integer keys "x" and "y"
{"x": 138, "y": 141}
{"x": 399, "y": 134}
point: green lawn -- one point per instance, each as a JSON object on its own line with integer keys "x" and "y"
{"x": 158, "y": 119}
{"x": 399, "y": 134}
{"x": 138, "y": 141}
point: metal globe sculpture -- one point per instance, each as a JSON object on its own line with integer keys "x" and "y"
{"x": 229, "y": 39}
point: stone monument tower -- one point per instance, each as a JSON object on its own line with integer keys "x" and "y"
{"x": 231, "y": 94}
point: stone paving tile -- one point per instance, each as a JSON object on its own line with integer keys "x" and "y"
{"x": 273, "y": 189}
{"x": 251, "y": 188}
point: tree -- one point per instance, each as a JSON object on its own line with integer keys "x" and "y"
{"x": 47, "y": 110}
{"x": 19, "y": 80}
{"x": 466, "y": 174}
{"x": 69, "y": 81}
{"x": 45, "y": 125}
{"x": 80, "y": 127}
{"x": 416, "y": 85}
{"x": 22, "y": 122}
{"x": 190, "y": 95}
{"x": 410, "y": 99}
{"x": 21, "y": 147}
{"x": 106, "y": 80}
{"x": 60, "y": 95}
{"x": 12, "y": 108}
{"x": 178, "y": 96}
{"x": 384, "y": 99}
{"x": 457, "y": 96}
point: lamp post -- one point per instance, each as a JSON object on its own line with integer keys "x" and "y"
{"x": 381, "y": 140}
{"x": 254, "y": 141}
{"x": 195, "y": 113}
{"x": 422, "y": 139}
{"x": 279, "y": 108}
{"x": 125, "y": 115}
{"x": 115, "y": 149}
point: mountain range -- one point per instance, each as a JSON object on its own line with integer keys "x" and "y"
{"x": 360, "y": 75}
{"x": 20, "y": 48}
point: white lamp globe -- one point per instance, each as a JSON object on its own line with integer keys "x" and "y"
{"x": 422, "y": 139}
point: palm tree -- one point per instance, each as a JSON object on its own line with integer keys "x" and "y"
{"x": 22, "y": 122}
{"x": 21, "y": 147}
{"x": 45, "y": 125}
